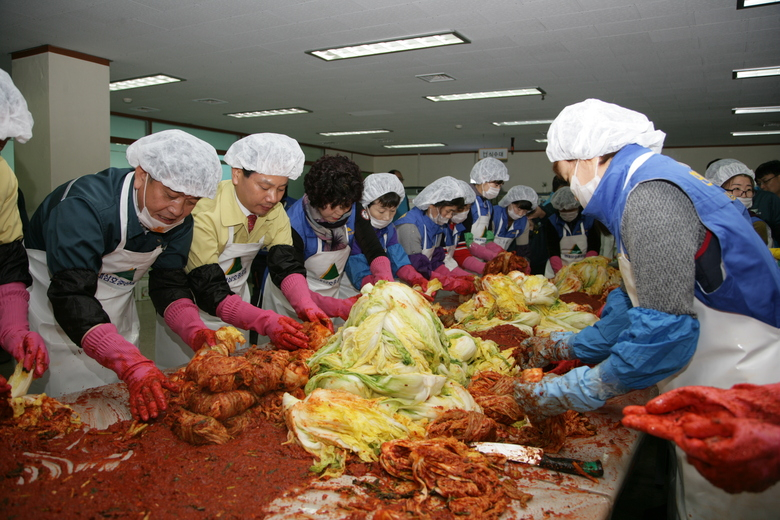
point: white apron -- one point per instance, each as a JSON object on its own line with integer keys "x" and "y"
{"x": 480, "y": 225}
{"x": 504, "y": 242}
{"x": 449, "y": 253}
{"x": 573, "y": 248}
{"x": 70, "y": 368}
{"x": 170, "y": 349}
{"x": 732, "y": 348}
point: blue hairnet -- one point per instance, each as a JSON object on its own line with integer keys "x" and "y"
{"x": 267, "y": 153}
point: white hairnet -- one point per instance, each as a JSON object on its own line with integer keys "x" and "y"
{"x": 377, "y": 184}
{"x": 594, "y": 128}
{"x": 468, "y": 192}
{"x": 445, "y": 188}
{"x": 488, "y": 169}
{"x": 269, "y": 154}
{"x": 16, "y": 121}
{"x": 564, "y": 200}
{"x": 180, "y": 161}
{"x": 518, "y": 193}
{"x": 721, "y": 171}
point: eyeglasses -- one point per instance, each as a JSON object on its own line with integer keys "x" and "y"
{"x": 739, "y": 192}
{"x": 764, "y": 180}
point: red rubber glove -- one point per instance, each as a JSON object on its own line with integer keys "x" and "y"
{"x": 144, "y": 380}
{"x": 409, "y": 274}
{"x": 495, "y": 248}
{"x": 482, "y": 252}
{"x": 283, "y": 332}
{"x": 462, "y": 286}
{"x": 381, "y": 269}
{"x": 474, "y": 264}
{"x": 183, "y": 318}
{"x": 556, "y": 263}
{"x": 16, "y": 338}
{"x": 760, "y": 402}
{"x": 296, "y": 289}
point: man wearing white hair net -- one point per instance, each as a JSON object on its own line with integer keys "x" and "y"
{"x": 571, "y": 236}
{"x": 487, "y": 176}
{"x": 693, "y": 272}
{"x": 26, "y": 347}
{"x": 243, "y": 219}
{"x": 92, "y": 239}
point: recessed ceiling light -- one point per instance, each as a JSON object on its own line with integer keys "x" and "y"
{"x": 522, "y": 123}
{"x": 389, "y": 46}
{"x": 146, "y": 81}
{"x": 210, "y": 101}
{"x": 757, "y": 72}
{"x": 760, "y": 132}
{"x": 145, "y": 109}
{"x": 743, "y": 4}
{"x": 540, "y": 140}
{"x": 435, "y": 77}
{"x": 418, "y": 145}
{"x": 755, "y": 110}
{"x": 354, "y": 132}
{"x": 533, "y": 91}
{"x": 272, "y": 112}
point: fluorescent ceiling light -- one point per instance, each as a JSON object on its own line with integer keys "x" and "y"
{"x": 742, "y": 4}
{"x": 146, "y": 81}
{"x": 757, "y": 72}
{"x": 354, "y": 132}
{"x": 419, "y": 145}
{"x": 273, "y": 112}
{"x": 523, "y": 123}
{"x": 389, "y": 46}
{"x": 533, "y": 91}
{"x": 761, "y": 132}
{"x": 540, "y": 140}
{"x": 755, "y": 110}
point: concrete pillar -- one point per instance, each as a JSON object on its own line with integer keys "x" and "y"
{"x": 67, "y": 93}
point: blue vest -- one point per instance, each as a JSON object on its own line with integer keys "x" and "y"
{"x": 501, "y": 227}
{"x": 482, "y": 206}
{"x": 452, "y": 236}
{"x": 751, "y": 284}
{"x": 574, "y": 226}
{"x": 310, "y": 240}
{"x": 429, "y": 230}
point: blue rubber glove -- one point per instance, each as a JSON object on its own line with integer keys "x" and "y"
{"x": 582, "y": 389}
{"x": 537, "y": 352}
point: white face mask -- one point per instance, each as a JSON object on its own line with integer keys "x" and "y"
{"x": 584, "y": 193}
{"x": 460, "y": 217}
{"x": 378, "y": 223}
{"x": 147, "y": 220}
{"x": 568, "y": 216}
{"x": 747, "y": 201}
{"x": 515, "y": 216}
{"x": 438, "y": 219}
{"x": 491, "y": 192}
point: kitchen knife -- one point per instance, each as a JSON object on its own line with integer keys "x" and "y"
{"x": 537, "y": 457}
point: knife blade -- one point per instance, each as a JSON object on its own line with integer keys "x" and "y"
{"x": 537, "y": 457}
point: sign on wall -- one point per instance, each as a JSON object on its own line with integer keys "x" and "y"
{"x": 495, "y": 153}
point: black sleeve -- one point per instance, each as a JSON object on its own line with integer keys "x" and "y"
{"x": 284, "y": 260}
{"x": 365, "y": 235}
{"x": 209, "y": 287}
{"x": 166, "y": 286}
{"x": 553, "y": 240}
{"x": 72, "y": 296}
{"x": 13, "y": 264}
{"x": 594, "y": 238}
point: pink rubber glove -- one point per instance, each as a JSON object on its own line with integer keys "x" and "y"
{"x": 440, "y": 272}
{"x": 462, "y": 286}
{"x": 460, "y": 272}
{"x": 296, "y": 289}
{"x": 283, "y": 332}
{"x": 556, "y": 263}
{"x": 381, "y": 269}
{"x": 492, "y": 246}
{"x": 144, "y": 380}
{"x": 482, "y": 252}
{"x": 409, "y": 274}
{"x": 474, "y": 264}
{"x": 335, "y": 306}
{"x": 25, "y": 346}
{"x": 183, "y": 318}
{"x": 591, "y": 253}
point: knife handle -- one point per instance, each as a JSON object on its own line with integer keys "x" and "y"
{"x": 564, "y": 465}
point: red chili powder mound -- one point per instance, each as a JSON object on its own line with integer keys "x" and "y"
{"x": 505, "y": 336}
{"x": 164, "y": 478}
{"x": 582, "y": 298}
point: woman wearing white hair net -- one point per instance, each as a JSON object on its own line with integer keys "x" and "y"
{"x": 571, "y": 236}
{"x": 457, "y": 253}
{"x": 244, "y": 218}
{"x": 26, "y": 347}
{"x": 738, "y": 180}
{"x": 692, "y": 268}
{"x": 92, "y": 239}
{"x": 510, "y": 220}
{"x": 487, "y": 176}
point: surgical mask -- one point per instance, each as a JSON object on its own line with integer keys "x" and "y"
{"x": 584, "y": 193}
{"x": 438, "y": 219}
{"x": 147, "y": 220}
{"x": 747, "y": 201}
{"x": 457, "y": 218}
{"x": 568, "y": 216}
{"x": 515, "y": 216}
{"x": 379, "y": 223}
{"x": 491, "y": 192}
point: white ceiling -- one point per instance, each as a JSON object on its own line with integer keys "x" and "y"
{"x": 670, "y": 59}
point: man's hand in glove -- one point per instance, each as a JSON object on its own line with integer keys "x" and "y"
{"x": 183, "y": 318}
{"x": 283, "y": 332}
{"x": 145, "y": 383}
{"x": 538, "y": 352}
{"x": 286, "y": 333}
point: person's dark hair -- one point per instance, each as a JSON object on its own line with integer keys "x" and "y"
{"x": 459, "y": 202}
{"x": 768, "y": 168}
{"x": 524, "y": 204}
{"x": 558, "y": 183}
{"x": 388, "y": 200}
{"x": 712, "y": 161}
{"x": 333, "y": 180}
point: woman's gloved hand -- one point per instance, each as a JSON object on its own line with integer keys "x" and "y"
{"x": 483, "y": 252}
{"x": 495, "y": 248}
{"x": 27, "y": 347}
{"x": 338, "y": 307}
{"x": 409, "y": 274}
{"x": 183, "y": 318}
{"x": 556, "y": 263}
{"x": 296, "y": 289}
{"x": 463, "y": 286}
{"x": 283, "y": 332}
{"x": 538, "y": 352}
{"x": 144, "y": 380}
{"x": 381, "y": 269}
{"x": 474, "y": 264}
